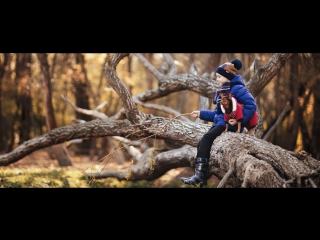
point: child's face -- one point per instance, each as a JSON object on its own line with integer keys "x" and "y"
{"x": 221, "y": 79}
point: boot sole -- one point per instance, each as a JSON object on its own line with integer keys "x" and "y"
{"x": 194, "y": 184}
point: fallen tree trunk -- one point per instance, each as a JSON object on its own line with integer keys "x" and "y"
{"x": 246, "y": 161}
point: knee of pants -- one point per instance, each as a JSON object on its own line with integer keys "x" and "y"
{"x": 208, "y": 137}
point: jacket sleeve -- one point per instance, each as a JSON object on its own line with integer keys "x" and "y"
{"x": 245, "y": 98}
{"x": 208, "y": 115}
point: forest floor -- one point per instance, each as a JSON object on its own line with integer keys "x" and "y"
{"x": 41, "y": 160}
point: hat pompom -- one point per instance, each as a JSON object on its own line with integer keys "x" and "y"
{"x": 237, "y": 63}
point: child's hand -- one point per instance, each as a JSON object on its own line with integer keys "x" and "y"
{"x": 195, "y": 113}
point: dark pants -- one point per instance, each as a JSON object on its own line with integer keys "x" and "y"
{"x": 204, "y": 145}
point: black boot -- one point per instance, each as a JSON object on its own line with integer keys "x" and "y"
{"x": 200, "y": 176}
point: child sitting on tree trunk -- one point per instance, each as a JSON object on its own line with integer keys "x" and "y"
{"x": 225, "y": 73}
{"x": 233, "y": 110}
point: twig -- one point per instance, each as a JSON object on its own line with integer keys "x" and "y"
{"x": 288, "y": 182}
{"x": 281, "y": 116}
{"x": 173, "y": 119}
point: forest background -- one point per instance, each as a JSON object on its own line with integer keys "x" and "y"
{"x": 33, "y": 104}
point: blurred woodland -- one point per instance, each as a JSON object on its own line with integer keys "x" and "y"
{"x": 42, "y": 92}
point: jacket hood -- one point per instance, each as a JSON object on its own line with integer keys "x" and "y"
{"x": 237, "y": 80}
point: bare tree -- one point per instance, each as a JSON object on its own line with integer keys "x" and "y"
{"x": 236, "y": 159}
{"x": 24, "y": 99}
{"x": 3, "y": 69}
{"x": 58, "y": 151}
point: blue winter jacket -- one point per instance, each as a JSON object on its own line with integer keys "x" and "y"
{"x": 241, "y": 93}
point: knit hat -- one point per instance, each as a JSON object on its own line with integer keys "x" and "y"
{"x": 225, "y": 89}
{"x": 229, "y": 69}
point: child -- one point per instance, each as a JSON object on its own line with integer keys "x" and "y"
{"x": 233, "y": 110}
{"x": 225, "y": 73}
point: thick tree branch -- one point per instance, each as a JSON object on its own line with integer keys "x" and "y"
{"x": 131, "y": 110}
{"x": 172, "y": 66}
{"x": 94, "y": 112}
{"x": 148, "y": 65}
{"x": 182, "y": 131}
{"x": 266, "y": 73}
{"x": 141, "y": 170}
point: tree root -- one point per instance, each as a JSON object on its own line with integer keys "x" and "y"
{"x": 298, "y": 180}
{"x": 224, "y": 180}
{"x": 312, "y": 183}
